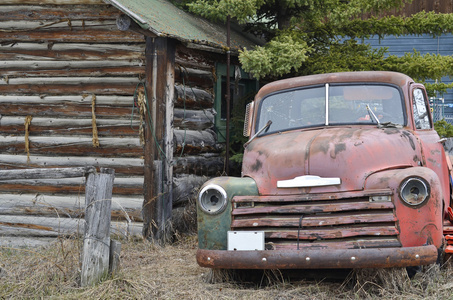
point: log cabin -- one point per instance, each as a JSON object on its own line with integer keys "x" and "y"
{"x": 137, "y": 86}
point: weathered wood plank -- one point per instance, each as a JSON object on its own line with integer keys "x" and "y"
{"x": 193, "y": 119}
{"x": 123, "y": 186}
{"x": 45, "y": 25}
{"x": 70, "y": 81}
{"x": 94, "y": 71}
{"x": 200, "y": 60}
{"x": 70, "y": 206}
{"x": 72, "y": 146}
{"x": 30, "y": 65}
{"x": 195, "y": 142}
{"x": 52, "y": 126}
{"x": 52, "y": 173}
{"x": 194, "y": 77}
{"x": 24, "y": 242}
{"x": 105, "y": 88}
{"x": 71, "y": 51}
{"x": 67, "y": 110}
{"x": 88, "y": 35}
{"x": 122, "y": 166}
{"x": 191, "y": 98}
{"x": 18, "y": 11}
{"x": 53, "y": 227}
{"x": 185, "y": 188}
{"x": 114, "y": 257}
{"x": 96, "y": 242}
{"x": 202, "y": 165}
{"x": 83, "y": 99}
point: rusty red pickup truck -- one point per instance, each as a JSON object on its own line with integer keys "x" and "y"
{"x": 341, "y": 170}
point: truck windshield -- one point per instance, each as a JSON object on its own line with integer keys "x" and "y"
{"x": 332, "y": 105}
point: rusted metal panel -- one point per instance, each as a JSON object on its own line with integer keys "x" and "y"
{"x": 334, "y": 233}
{"x": 314, "y": 196}
{"x": 306, "y": 259}
{"x": 362, "y": 243}
{"x": 311, "y": 151}
{"x": 311, "y": 221}
{"x": 313, "y": 208}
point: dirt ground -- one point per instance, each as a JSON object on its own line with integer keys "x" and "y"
{"x": 171, "y": 272}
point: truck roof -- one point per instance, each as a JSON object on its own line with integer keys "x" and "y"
{"x": 396, "y": 78}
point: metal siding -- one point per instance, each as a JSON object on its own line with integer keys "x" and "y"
{"x": 424, "y": 44}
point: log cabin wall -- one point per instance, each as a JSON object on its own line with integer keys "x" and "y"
{"x": 197, "y": 154}
{"x": 67, "y": 83}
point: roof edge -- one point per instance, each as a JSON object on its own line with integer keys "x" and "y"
{"x": 130, "y": 13}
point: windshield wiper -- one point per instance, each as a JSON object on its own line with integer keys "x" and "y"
{"x": 372, "y": 115}
{"x": 266, "y": 126}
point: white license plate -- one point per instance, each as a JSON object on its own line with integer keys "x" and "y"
{"x": 245, "y": 240}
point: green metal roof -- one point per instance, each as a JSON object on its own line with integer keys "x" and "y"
{"x": 163, "y": 18}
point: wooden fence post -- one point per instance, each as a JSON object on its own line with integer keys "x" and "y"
{"x": 160, "y": 84}
{"x": 96, "y": 243}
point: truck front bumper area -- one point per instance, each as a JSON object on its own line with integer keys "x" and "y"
{"x": 318, "y": 259}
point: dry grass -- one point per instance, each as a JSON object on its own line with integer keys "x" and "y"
{"x": 170, "y": 272}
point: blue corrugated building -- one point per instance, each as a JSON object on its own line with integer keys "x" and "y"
{"x": 424, "y": 44}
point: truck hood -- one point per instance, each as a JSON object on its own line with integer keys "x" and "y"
{"x": 349, "y": 153}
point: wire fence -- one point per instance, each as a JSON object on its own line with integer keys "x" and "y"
{"x": 441, "y": 110}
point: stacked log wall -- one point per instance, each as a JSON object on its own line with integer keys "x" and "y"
{"x": 197, "y": 154}
{"x": 63, "y": 66}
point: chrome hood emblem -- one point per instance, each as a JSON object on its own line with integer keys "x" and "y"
{"x": 308, "y": 181}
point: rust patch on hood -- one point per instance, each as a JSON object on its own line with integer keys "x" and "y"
{"x": 327, "y": 152}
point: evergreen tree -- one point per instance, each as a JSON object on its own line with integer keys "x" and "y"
{"x": 319, "y": 36}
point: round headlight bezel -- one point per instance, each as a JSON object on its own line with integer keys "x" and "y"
{"x": 414, "y": 187}
{"x": 206, "y": 200}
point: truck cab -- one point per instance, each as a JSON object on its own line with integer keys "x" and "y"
{"x": 341, "y": 170}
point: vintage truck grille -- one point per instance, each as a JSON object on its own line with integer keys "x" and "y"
{"x": 363, "y": 219}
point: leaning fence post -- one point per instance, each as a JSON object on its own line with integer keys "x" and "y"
{"x": 96, "y": 243}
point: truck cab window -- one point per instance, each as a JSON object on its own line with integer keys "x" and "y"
{"x": 421, "y": 118}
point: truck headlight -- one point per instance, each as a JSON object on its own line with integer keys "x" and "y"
{"x": 414, "y": 191}
{"x": 212, "y": 199}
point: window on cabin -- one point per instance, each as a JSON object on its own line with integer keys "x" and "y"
{"x": 242, "y": 92}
